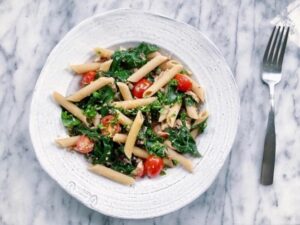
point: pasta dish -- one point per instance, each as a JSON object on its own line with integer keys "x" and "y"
{"x": 136, "y": 114}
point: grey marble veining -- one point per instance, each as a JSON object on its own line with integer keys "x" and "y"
{"x": 240, "y": 28}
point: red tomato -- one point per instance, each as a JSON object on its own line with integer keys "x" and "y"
{"x": 84, "y": 145}
{"x": 140, "y": 87}
{"x": 109, "y": 127}
{"x": 87, "y": 78}
{"x": 184, "y": 84}
{"x": 153, "y": 166}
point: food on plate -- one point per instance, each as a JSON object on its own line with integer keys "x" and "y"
{"x": 136, "y": 114}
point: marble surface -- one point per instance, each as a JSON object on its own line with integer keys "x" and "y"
{"x": 240, "y": 28}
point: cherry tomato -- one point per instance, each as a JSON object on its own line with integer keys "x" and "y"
{"x": 109, "y": 126}
{"x": 87, "y": 78}
{"x": 84, "y": 145}
{"x": 184, "y": 84}
{"x": 153, "y": 166}
{"x": 140, "y": 87}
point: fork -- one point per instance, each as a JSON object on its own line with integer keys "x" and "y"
{"x": 272, "y": 65}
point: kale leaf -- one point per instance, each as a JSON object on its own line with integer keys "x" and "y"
{"x": 68, "y": 119}
{"x": 92, "y": 133}
{"x": 98, "y": 101}
{"x": 182, "y": 140}
{"x": 126, "y": 60}
{"x": 153, "y": 143}
{"x": 189, "y": 101}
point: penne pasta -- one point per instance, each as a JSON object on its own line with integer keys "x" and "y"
{"x": 172, "y": 114}
{"x": 131, "y": 104}
{"x": 83, "y": 68}
{"x": 164, "y": 113}
{"x": 111, "y": 174}
{"x": 141, "y": 153}
{"x": 67, "y": 142}
{"x": 194, "y": 133}
{"x": 132, "y": 135}
{"x": 105, "y": 66}
{"x": 186, "y": 163}
{"x": 125, "y": 92}
{"x": 147, "y": 68}
{"x": 89, "y": 89}
{"x": 168, "y": 75}
{"x": 104, "y": 52}
{"x": 202, "y": 116}
{"x": 120, "y": 138}
{"x": 193, "y": 95}
{"x": 191, "y": 111}
{"x": 152, "y": 55}
{"x": 124, "y": 120}
{"x": 72, "y": 108}
{"x": 168, "y": 64}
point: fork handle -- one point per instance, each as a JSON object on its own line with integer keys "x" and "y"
{"x": 268, "y": 162}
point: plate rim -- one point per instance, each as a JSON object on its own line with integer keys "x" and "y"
{"x": 107, "y": 13}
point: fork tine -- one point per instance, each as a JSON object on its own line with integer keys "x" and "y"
{"x": 274, "y": 42}
{"x": 281, "y": 55}
{"x": 268, "y": 46}
{"x": 278, "y": 47}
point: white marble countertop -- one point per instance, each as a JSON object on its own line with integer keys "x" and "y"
{"x": 240, "y": 28}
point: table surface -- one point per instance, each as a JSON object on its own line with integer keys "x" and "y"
{"x": 240, "y": 28}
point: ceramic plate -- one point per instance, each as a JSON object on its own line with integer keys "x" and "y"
{"x": 148, "y": 197}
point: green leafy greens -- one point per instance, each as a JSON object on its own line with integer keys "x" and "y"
{"x": 153, "y": 143}
{"x": 124, "y": 61}
{"x": 182, "y": 140}
{"x": 68, "y": 119}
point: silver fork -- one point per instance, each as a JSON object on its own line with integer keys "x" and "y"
{"x": 272, "y": 64}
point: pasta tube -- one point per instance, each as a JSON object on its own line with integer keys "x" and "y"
{"x": 186, "y": 163}
{"x": 67, "y": 142}
{"x": 168, "y": 75}
{"x": 124, "y": 120}
{"x": 120, "y": 138}
{"x": 191, "y": 111}
{"x": 164, "y": 113}
{"x": 172, "y": 114}
{"x": 147, "y": 68}
{"x": 132, "y": 135}
{"x": 83, "y": 68}
{"x": 105, "y": 66}
{"x": 131, "y": 104}
{"x": 72, "y": 108}
{"x": 89, "y": 89}
{"x": 169, "y": 64}
{"x": 104, "y": 52}
{"x": 125, "y": 92}
{"x": 111, "y": 174}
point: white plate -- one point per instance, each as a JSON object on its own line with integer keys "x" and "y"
{"x": 147, "y": 198}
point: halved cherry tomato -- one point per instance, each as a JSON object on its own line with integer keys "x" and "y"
{"x": 184, "y": 84}
{"x": 84, "y": 145}
{"x": 87, "y": 78}
{"x": 140, "y": 87}
{"x": 109, "y": 126}
{"x": 153, "y": 166}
